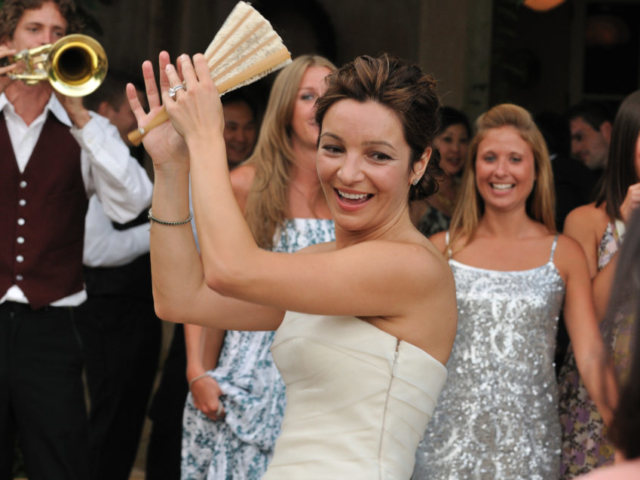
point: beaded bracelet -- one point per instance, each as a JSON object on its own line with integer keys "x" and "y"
{"x": 162, "y": 222}
{"x": 195, "y": 379}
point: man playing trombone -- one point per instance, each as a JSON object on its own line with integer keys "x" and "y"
{"x": 54, "y": 154}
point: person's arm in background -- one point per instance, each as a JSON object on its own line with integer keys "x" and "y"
{"x": 104, "y": 246}
{"x": 203, "y": 349}
{"x": 592, "y": 359}
{"x": 110, "y": 172}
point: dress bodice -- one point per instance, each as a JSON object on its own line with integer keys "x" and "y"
{"x": 358, "y": 400}
{"x": 497, "y": 415}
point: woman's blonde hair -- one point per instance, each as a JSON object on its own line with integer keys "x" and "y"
{"x": 541, "y": 202}
{"x": 267, "y": 202}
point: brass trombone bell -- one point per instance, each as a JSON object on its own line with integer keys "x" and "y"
{"x": 75, "y": 65}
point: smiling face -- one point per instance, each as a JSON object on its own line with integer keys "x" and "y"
{"x": 363, "y": 165}
{"x": 505, "y": 169}
{"x": 38, "y": 27}
{"x": 304, "y": 129}
{"x": 453, "y": 145}
{"x": 240, "y": 131}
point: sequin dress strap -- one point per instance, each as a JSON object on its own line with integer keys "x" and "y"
{"x": 448, "y": 247}
{"x": 553, "y": 247}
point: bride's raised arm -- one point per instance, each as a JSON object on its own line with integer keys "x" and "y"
{"x": 180, "y": 292}
{"x": 392, "y": 274}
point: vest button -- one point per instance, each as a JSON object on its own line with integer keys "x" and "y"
{"x": 22, "y": 203}
{"x": 20, "y": 239}
{"x": 21, "y": 221}
{"x": 19, "y": 277}
{"x": 23, "y": 184}
{"x": 20, "y": 258}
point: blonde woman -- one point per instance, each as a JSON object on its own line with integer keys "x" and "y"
{"x": 498, "y": 415}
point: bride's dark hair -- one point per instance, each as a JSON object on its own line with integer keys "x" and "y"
{"x": 402, "y": 87}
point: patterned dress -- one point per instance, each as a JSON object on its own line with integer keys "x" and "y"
{"x": 585, "y": 445}
{"x": 433, "y": 221}
{"x": 497, "y": 416}
{"x": 240, "y": 446}
{"x": 437, "y": 219}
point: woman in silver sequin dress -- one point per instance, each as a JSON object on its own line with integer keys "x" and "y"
{"x": 497, "y": 416}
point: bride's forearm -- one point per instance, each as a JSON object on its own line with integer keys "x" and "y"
{"x": 226, "y": 243}
{"x": 175, "y": 263}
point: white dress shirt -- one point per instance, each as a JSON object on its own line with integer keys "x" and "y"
{"x": 104, "y": 246}
{"x": 107, "y": 168}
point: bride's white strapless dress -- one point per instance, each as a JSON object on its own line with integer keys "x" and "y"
{"x": 358, "y": 400}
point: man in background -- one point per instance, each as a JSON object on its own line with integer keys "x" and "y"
{"x": 590, "y": 124}
{"x": 54, "y": 155}
{"x": 118, "y": 327}
{"x": 240, "y": 127}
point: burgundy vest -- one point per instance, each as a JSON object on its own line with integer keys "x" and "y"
{"x": 42, "y": 212}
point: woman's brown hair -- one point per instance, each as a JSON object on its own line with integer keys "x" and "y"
{"x": 12, "y": 11}
{"x": 620, "y": 172}
{"x": 268, "y": 200}
{"x": 541, "y": 202}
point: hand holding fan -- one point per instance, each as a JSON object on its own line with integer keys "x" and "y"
{"x": 244, "y": 50}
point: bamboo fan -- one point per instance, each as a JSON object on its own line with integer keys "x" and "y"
{"x": 244, "y": 50}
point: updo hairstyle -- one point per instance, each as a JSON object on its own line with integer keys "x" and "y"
{"x": 402, "y": 87}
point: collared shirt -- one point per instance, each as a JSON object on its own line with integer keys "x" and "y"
{"x": 107, "y": 169}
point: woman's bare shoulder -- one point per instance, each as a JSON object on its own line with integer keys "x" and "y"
{"x": 241, "y": 181}
{"x": 569, "y": 257}
{"x": 587, "y": 215}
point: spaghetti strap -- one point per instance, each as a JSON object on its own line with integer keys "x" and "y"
{"x": 553, "y": 247}
{"x": 448, "y": 248}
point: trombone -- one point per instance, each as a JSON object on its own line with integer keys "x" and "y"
{"x": 75, "y": 65}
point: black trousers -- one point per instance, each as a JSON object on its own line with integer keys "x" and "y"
{"x": 167, "y": 407}
{"x": 41, "y": 393}
{"x": 121, "y": 337}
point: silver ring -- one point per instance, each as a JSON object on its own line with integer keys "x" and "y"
{"x": 220, "y": 408}
{"x": 174, "y": 90}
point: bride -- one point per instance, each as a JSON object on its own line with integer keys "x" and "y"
{"x": 370, "y": 318}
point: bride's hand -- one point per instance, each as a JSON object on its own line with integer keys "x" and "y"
{"x": 166, "y": 147}
{"x": 196, "y": 111}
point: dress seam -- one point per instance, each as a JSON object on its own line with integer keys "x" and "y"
{"x": 386, "y": 404}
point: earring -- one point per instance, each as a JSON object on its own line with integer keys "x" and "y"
{"x": 415, "y": 181}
